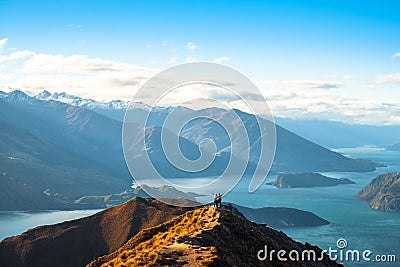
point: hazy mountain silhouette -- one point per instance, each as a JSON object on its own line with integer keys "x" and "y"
{"x": 334, "y": 134}
{"x": 394, "y": 147}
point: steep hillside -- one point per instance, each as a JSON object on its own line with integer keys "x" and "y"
{"x": 293, "y": 153}
{"x": 383, "y": 192}
{"x": 44, "y": 162}
{"x": 77, "y": 242}
{"x": 207, "y": 237}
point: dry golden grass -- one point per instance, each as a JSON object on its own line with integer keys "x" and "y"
{"x": 152, "y": 251}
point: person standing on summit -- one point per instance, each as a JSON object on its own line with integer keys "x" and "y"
{"x": 215, "y": 200}
{"x": 219, "y": 200}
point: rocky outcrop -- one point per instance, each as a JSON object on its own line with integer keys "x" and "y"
{"x": 383, "y": 192}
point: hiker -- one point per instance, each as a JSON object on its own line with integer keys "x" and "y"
{"x": 215, "y": 200}
{"x": 219, "y": 200}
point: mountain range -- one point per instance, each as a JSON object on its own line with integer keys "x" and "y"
{"x": 327, "y": 133}
{"x": 334, "y": 134}
{"x": 54, "y": 153}
{"x": 292, "y": 152}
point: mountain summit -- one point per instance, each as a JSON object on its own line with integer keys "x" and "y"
{"x": 210, "y": 237}
{"x": 147, "y": 232}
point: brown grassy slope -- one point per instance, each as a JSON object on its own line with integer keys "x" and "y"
{"x": 77, "y": 242}
{"x": 205, "y": 237}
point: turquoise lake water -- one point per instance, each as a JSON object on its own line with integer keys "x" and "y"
{"x": 351, "y": 219}
{"x": 362, "y": 227}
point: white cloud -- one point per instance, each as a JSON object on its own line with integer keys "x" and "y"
{"x": 191, "y": 46}
{"x": 347, "y": 77}
{"x": 164, "y": 43}
{"x": 221, "y": 59}
{"x": 19, "y": 54}
{"x": 76, "y": 74}
{"x": 3, "y": 43}
{"x": 396, "y": 55}
{"x": 302, "y": 84}
{"x": 320, "y": 104}
{"x": 173, "y": 59}
{"x": 387, "y": 78}
{"x": 103, "y": 79}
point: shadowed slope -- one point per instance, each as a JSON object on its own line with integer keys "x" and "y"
{"x": 77, "y": 242}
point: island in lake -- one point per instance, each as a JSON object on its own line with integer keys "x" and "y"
{"x": 280, "y": 217}
{"x": 383, "y": 192}
{"x": 307, "y": 179}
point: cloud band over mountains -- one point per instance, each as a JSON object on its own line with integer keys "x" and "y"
{"x": 103, "y": 79}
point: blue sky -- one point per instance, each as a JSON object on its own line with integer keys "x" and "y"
{"x": 347, "y": 47}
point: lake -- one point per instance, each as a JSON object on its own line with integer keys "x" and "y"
{"x": 15, "y": 223}
{"x": 351, "y": 219}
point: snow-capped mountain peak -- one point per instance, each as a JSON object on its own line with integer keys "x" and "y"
{"x": 16, "y": 96}
{"x": 81, "y": 102}
{"x": 43, "y": 95}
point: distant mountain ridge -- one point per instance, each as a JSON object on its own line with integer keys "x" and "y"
{"x": 394, "y": 147}
{"x": 334, "y": 134}
{"x": 82, "y": 102}
{"x": 53, "y": 153}
{"x": 327, "y": 133}
{"x": 114, "y": 109}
